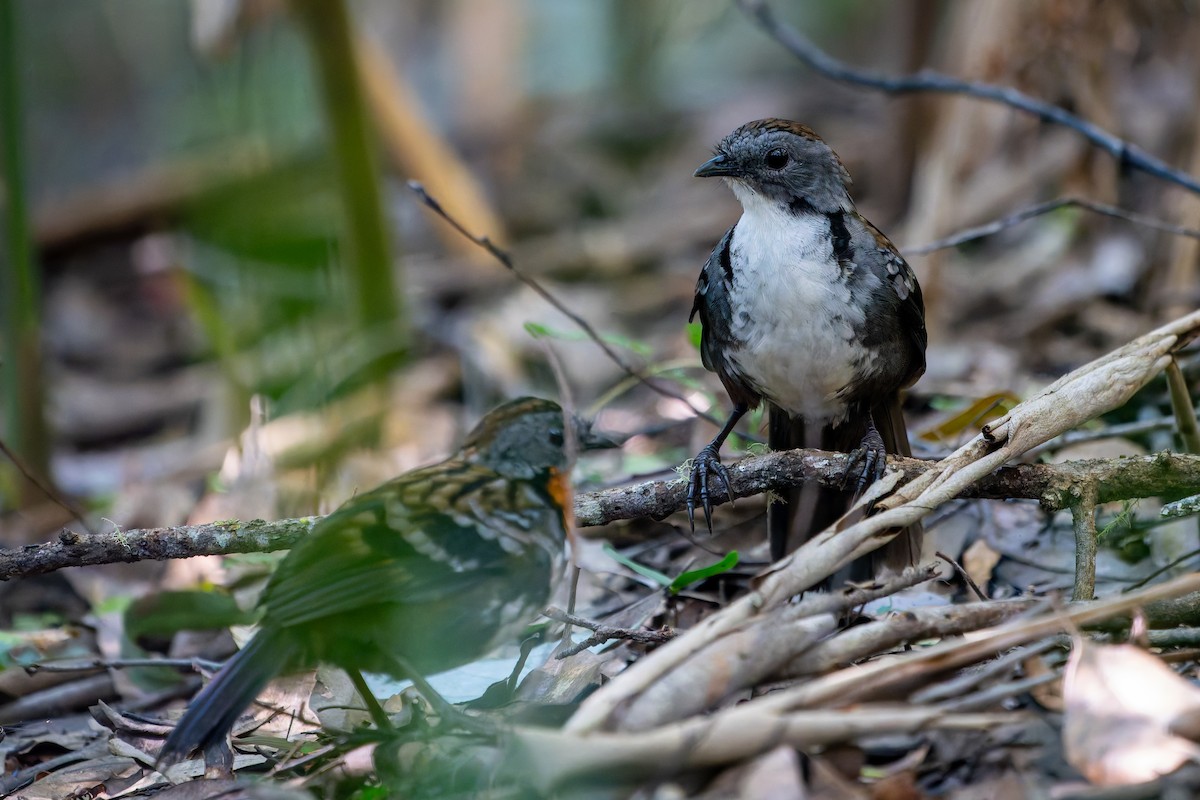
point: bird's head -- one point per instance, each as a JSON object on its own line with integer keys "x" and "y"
{"x": 525, "y": 437}
{"x": 781, "y": 163}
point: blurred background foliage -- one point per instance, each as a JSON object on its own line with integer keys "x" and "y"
{"x": 221, "y": 301}
{"x": 182, "y": 159}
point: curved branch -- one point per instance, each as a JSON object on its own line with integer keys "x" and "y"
{"x": 1125, "y": 153}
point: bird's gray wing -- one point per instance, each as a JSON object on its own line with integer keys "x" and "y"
{"x": 713, "y": 304}
{"x": 896, "y": 326}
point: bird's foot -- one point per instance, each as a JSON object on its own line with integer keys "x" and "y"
{"x": 866, "y": 463}
{"x": 706, "y": 464}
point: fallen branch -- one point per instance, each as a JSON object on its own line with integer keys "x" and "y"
{"x": 72, "y": 549}
{"x": 1055, "y": 486}
{"x": 551, "y": 758}
{"x": 805, "y": 715}
{"x": 1082, "y": 395}
{"x": 757, "y": 652}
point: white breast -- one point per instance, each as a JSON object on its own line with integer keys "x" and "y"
{"x": 792, "y": 312}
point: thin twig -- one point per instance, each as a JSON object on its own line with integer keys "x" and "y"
{"x": 962, "y": 574}
{"x": 966, "y": 681}
{"x": 603, "y": 633}
{"x": 1038, "y": 209}
{"x": 1125, "y": 153}
{"x": 571, "y": 447}
{"x": 506, "y": 260}
{"x": 1170, "y": 565}
{"x": 992, "y": 695}
{"x": 45, "y": 488}
{"x": 199, "y": 665}
{"x": 1120, "y": 430}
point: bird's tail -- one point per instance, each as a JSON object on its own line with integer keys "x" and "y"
{"x": 810, "y": 509}
{"x": 905, "y": 550}
{"x": 217, "y": 706}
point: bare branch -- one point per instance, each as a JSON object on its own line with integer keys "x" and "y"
{"x": 506, "y": 260}
{"x": 72, "y": 549}
{"x": 603, "y": 633}
{"x": 1037, "y": 210}
{"x": 1055, "y": 486}
{"x": 1083, "y": 516}
{"x": 1126, "y": 153}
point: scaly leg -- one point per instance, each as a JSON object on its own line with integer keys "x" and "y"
{"x": 708, "y": 463}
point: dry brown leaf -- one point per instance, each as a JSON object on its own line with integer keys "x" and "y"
{"x": 1120, "y": 705}
{"x": 1048, "y": 695}
{"x": 561, "y": 681}
{"x": 774, "y": 775}
{"x": 978, "y": 412}
{"x": 979, "y": 560}
{"x": 828, "y": 781}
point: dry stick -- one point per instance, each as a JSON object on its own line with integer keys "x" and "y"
{"x": 965, "y": 682}
{"x": 1125, "y": 153}
{"x": 506, "y": 260}
{"x": 994, "y": 694}
{"x": 1055, "y": 486}
{"x": 1084, "y": 394}
{"x": 852, "y": 595}
{"x": 757, "y": 651}
{"x": 1165, "y": 568}
{"x": 153, "y": 544}
{"x": 551, "y": 758}
{"x": 963, "y": 576}
{"x": 602, "y": 633}
{"x": 1083, "y": 519}
{"x": 198, "y": 665}
{"x": 1181, "y": 404}
{"x": 1037, "y": 209}
{"x": 743, "y": 659}
{"x": 788, "y": 716}
{"x": 862, "y": 641}
{"x": 848, "y": 685}
{"x": 45, "y": 488}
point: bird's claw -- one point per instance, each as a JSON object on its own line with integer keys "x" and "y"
{"x": 866, "y": 463}
{"x": 706, "y": 463}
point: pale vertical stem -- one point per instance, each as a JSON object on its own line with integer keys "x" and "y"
{"x": 1083, "y": 515}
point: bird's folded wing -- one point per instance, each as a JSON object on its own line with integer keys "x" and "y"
{"x": 379, "y": 549}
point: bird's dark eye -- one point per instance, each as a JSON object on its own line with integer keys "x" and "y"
{"x": 777, "y": 158}
{"x": 556, "y": 438}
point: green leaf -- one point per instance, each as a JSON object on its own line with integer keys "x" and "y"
{"x": 696, "y": 575}
{"x": 539, "y": 331}
{"x": 694, "y": 331}
{"x": 645, "y": 572}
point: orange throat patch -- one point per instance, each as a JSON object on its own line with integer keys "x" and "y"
{"x": 559, "y": 487}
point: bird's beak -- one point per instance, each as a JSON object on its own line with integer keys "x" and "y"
{"x": 593, "y": 440}
{"x": 717, "y": 166}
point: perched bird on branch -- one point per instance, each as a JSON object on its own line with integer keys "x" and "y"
{"x": 424, "y": 573}
{"x": 807, "y": 306}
